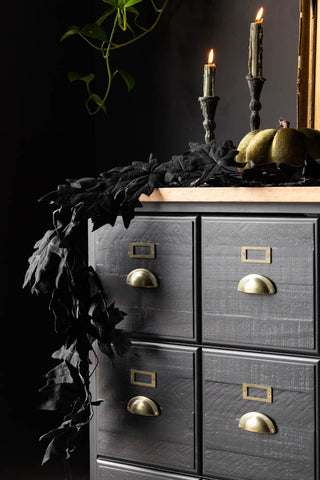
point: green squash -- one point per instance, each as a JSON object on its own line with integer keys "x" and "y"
{"x": 286, "y": 145}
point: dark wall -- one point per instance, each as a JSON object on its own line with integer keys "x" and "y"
{"x": 47, "y": 136}
{"x": 162, "y": 114}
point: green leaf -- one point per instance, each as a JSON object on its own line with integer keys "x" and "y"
{"x": 72, "y": 31}
{"x": 130, "y": 81}
{"x": 133, "y": 10}
{"x": 97, "y": 100}
{"x": 130, "y": 3}
{"x": 74, "y": 76}
{"x": 93, "y": 30}
{"x": 114, "y": 3}
{"x": 105, "y": 15}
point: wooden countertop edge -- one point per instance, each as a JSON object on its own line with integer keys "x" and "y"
{"x": 235, "y": 194}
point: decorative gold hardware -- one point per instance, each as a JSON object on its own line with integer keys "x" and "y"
{"x": 133, "y": 378}
{"x": 133, "y": 254}
{"x": 257, "y": 284}
{"x": 257, "y": 422}
{"x": 143, "y": 406}
{"x": 244, "y": 255}
{"x": 140, "y": 277}
{"x": 245, "y": 393}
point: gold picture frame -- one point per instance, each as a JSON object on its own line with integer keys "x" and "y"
{"x": 308, "y": 77}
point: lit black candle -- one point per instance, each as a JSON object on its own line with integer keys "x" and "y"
{"x": 209, "y": 76}
{"x": 255, "y": 46}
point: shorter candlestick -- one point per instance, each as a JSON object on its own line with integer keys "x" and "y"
{"x": 208, "y": 108}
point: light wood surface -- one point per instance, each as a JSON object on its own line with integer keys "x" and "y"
{"x": 235, "y": 194}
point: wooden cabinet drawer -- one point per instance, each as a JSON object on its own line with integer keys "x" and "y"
{"x": 165, "y": 375}
{"x": 114, "y": 471}
{"x": 281, "y": 250}
{"x": 233, "y": 452}
{"x": 168, "y": 310}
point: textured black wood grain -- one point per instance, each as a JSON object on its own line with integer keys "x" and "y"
{"x": 232, "y": 452}
{"x": 168, "y": 440}
{"x": 284, "y": 320}
{"x": 166, "y": 311}
{"x": 114, "y": 471}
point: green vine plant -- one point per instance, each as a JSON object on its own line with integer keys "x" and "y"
{"x": 117, "y": 27}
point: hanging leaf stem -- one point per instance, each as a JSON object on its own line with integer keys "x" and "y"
{"x": 89, "y": 43}
{"x": 95, "y": 35}
{"x": 153, "y": 26}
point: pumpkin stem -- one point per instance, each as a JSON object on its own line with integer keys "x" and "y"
{"x": 283, "y": 123}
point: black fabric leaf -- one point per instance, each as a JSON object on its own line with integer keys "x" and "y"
{"x": 61, "y": 442}
{"x": 268, "y": 174}
{"x": 68, "y": 354}
{"x": 105, "y": 211}
{"x": 106, "y": 348}
{"x": 204, "y": 164}
{"x": 137, "y": 178}
{"x": 45, "y": 264}
{"x": 127, "y": 211}
{"x": 312, "y": 168}
{"x": 61, "y": 397}
{"x": 120, "y": 341}
{"x": 104, "y": 319}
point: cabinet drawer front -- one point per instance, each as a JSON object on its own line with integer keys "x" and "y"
{"x": 164, "y": 375}
{"x": 165, "y": 247}
{"x": 281, "y": 250}
{"x": 280, "y": 388}
{"x": 114, "y": 471}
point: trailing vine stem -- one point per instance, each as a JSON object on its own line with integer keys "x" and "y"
{"x": 89, "y": 43}
{"x": 161, "y": 10}
{"x": 97, "y": 38}
{"x": 109, "y": 74}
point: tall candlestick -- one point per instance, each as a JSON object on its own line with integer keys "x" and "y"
{"x": 209, "y": 76}
{"x": 255, "y": 47}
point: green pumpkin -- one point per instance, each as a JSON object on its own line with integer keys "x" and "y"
{"x": 286, "y": 145}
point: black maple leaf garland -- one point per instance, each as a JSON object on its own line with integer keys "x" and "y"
{"x": 77, "y": 300}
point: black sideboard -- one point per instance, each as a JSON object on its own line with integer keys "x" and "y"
{"x": 221, "y": 289}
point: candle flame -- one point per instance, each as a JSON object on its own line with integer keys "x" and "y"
{"x": 259, "y": 15}
{"x": 211, "y": 56}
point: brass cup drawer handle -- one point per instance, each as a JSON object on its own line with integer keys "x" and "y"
{"x": 143, "y": 406}
{"x": 257, "y": 422}
{"x": 256, "y": 284}
{"x": 143, "y": 278}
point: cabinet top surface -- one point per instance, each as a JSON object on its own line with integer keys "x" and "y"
{"x": 235, "y": 194}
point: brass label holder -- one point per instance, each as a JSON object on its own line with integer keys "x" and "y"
{"x": 133, "y": 254}
{"x": 245, "y": 259}
{"x": 245, "y": 393}
{"x": 134, "y": 381}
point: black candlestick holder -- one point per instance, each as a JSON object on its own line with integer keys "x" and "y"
{"x": 208, "y": 108}
{"x": 255, "y": 85}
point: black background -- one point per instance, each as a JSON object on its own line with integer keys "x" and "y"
{"x": 47, "y": 136}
